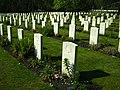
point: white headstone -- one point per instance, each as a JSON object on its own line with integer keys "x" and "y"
{"x": 93, "y": 35}
{"x": 107, "y": 23}
{"x": 119, "y": 46}
{"x": 43, "y": 24}
{"x": 9, "y": 32}
{"x": 119, "y": 36}
{"x": 102, "y": 18}
{"x": 86, "y": 17}
{"x": 98, "y": 20}
{"x": 61, "y": 23}
{"x": 93, "y": 22}
{"x": 10, "y": 20}
{"x": 1, "y": 29}
{"x": 20, "y": 22}
{"x": 26, "y": 23}
{"x": 102, "y": 28}
{"x": 20, "y": 33}
{"x": 38, "y": 45}
{"x": 14, "y": 22}
{"x": 69, "y": 52}
{"x": 72, "y": 31}
{"x": 33, "y": 25}
{"x": 89, "y": 19}
{"x": 119, "y": 27}
{"x": 3, "y": 18}
{"x": 82, "y": 21}
{"x": 0, "y": 18}
{"x": 56, "y": 31}
{"x": 38, "y": 19}
{"x": 57, "y": 18}
{"x": 86, "y": 25}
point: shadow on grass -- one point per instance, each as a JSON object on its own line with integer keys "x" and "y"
{"x": 89, "y": 75}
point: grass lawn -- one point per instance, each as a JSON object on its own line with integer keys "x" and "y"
{"x": 14, "y": 76}
{"x": 101, "y": 69}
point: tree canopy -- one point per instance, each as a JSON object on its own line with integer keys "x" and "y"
{"x": 53, "y": 5}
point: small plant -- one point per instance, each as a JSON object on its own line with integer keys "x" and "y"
{"x": 48, "y": 72}
{"x": 105, "y": 42}
{"x": 68, "y": 67}
{"x": 36, "y": 63}
{"x": 96, "y": 47}
{"x": 4, "y": 41}
{"x": 109, "y": 51}
{"x": 6, "y": 22}
{"x": 47, "y": 31}
{"x": 74, "y": 77}
{"x": 23, "y": 48}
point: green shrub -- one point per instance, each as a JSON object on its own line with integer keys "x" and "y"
{"x": 47, "y": 31}
{"x": 24, "y": 48}
{"x": 74, "y": 77}
{"x": 4, "y": 41}
{"x": 96, "y": 47}
{"x": 109, "y": 51}
{"x": 7, "y": 22}
{"x": 105, "y": 42}
{"x": 48, "y": 72}
{"x": 36, "y": 63}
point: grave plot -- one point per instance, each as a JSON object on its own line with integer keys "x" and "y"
{"x": 46, "y": 35}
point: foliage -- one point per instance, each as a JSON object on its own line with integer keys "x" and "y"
{"x": 96, "y": 47}
{"x": 47, "y": 31}
{"x": 74, "y": 77}
{"x": 36, "y": 63}
{"x": 4, "y": 41}
{"x": 49, "y": 5}
{"x": 48, "y": 72}
{"x": 24, "y": 47}
{"x": 109, "y": 51}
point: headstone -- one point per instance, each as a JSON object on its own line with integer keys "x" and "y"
{"x": 102, "y": 18}
{"x": 69, "y": 52}
{"x": 72, "y": 31}
{"x": 33, "y": 25}
{"x": 119, "y": 36}
{"x": 38, "y": 19}
{"x": 20, "y": 22}
{"x": 3, "y": 18}
{"x": 102, "y": 28}
{"x": 43, "y": 24}
{"x": 20, "y": 34}
{"x": 86, "y": 25}
{"x": 107, "y": 23}
{"x": 9, "y": 32}
{"x": 10, "y": 20}
{"x": 93, "y": 35}
{"x": 1, "y": 29}
{"x": 98, "y": 20}
{"x": 119, "y": 27}
{"x": 82, "y": 21}
{"x": 93, "y": 22}
{"x": 26, "y": 23}
{"x": 86, "y": 17}
{"x": 119, "y": 46}
{"x": 89, "y": 19}
{"x": 57, "y": 18}
{"x": 23, "y": 17}
{"x": 56, "y": 31}
{"x": 0, "y": 18}
{"x": 38, "y": 45}
{"x": 52, "y": 21}
{"x": 14, "y": 22}
{"x": 61, "y": 23}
